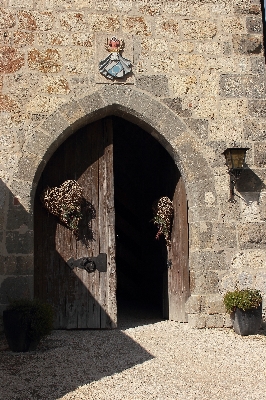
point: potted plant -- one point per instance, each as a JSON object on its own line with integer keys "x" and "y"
{"x": 26, "y": 322}
{"x": 245, "y": 307}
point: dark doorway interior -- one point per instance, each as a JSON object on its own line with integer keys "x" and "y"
{"x": 143, "y": 172}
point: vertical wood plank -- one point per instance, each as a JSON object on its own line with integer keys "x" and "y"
{"x": 79, "y": 298}
{"x": 178, "y": 274}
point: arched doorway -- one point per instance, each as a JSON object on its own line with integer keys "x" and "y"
{"x": 122, "y": 170}
{"x": 143, "y": 172}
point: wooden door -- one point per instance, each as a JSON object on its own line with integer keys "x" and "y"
{"x": 178, "y": 272}
{"x": 81, "y": 299}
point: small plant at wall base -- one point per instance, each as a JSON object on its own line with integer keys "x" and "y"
{"x": 245, "y": 307}
{"x": 26, "y": 322}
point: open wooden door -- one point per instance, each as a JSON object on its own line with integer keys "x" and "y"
{"x": 178, "y": 272}
{"x": 81, "y": 299}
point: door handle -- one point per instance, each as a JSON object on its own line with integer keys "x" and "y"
{"x": 90, "y": 264}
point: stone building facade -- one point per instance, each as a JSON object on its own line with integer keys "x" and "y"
{"x": 198, "y": 86}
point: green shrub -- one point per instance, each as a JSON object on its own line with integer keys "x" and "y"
{"x": 39, "y": 314}
{"x": 244, "y": 299}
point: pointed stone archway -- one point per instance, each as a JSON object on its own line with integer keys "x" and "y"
{"x": 150, "y": 114}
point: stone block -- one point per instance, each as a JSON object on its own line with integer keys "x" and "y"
{"x": 198, "y": 29}
{"x": 171, "y": 125}
{"x": 201, "y": 192}
{"x": 7, "y": 19}
{"x": 208, "y": 261}
{"x": 247, "y": 7}
{"x": 213, "y": 304}
{"x": 20, "y": 265}
{"x": 136, "y": 25}
{"x": 138, "y": 104}
{"x": 247, "y": 44}
{"x": 58, "y": 39}
{"x": 162, "y": 63}
{"x": 232, "y": 24}
{"x": 198, "y": 126}
{"x": 225, "y": 235}
{"x": 215, "y": 321}
{"x": 16, "y": 288}
{"x": 55, "y": 125}
{"x": 103, "y": 23}
{"x": 254, "y": 86}
{"x": 254, "y": 129}
{"x": 32, "y": 21}
{"x": 183, "y": 85}
{"x": 201, "y": 235}
{"x": 72, "y": 111}
{"x": 55, "y": 84}
{"x": 260, "y": 281}
{"x": 48, "y": 60}
{"x": 257, "y": 108}
{"x": 83, "y": 39}
{"x": 19, "y": 243}
{"x": 193, "y": 305}
{"x": 196, "y": 166}
{"x": 155, "y": 84}
{"x": 149, "y": 8}
{"x": 252, "y": 235}
{"x": 37, "y": 142}
{"x": 227, "y": 321}
{"x": 254, "y": 24}
{"x": 176, "y": 106}
{"x": 203, "y": 282}
{"x": 197, "y": 321}
{"x": 27, "y": 167}
{"x": 191, "y": 62}
{"x": 260, "y": 155}
{"x": 93, "y": 105}
{"x": 258, "y": 65}
{"x": 231, "y": 86}
{"x": 11, "y": 60}
{"x": 198, "y": 213}
{"x": 22, "y": 39}
{"x": 73, "y": 21}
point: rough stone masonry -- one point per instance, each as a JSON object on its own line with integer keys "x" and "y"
{"x": 198, "y": 80}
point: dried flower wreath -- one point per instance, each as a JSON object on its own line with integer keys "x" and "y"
{"x": 65, "y": 203}
{"x": 163, "y": 214}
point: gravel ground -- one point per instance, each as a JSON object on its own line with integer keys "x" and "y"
{"x": 143, "y": 359}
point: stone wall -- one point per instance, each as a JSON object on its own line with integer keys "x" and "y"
{"x": 198, "y": 85}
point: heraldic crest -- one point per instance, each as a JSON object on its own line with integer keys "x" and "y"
{"x": 115, "y": 66}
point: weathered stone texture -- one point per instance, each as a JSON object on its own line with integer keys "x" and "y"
{"x": 247, "y": 44}
{"x": 10, "y": 60}
{"x": 198, "y": 86}
{"x": 252, "y": 236}
{"x": 45, "y": 61}
{"x": 208, "y": 260}
{"x": 156, "y": 84}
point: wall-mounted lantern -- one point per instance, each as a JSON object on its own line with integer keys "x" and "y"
{"x": 235, "y": 159}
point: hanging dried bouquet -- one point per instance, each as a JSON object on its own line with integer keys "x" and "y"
{"x": 163, "y": 214}
{"x": 65, "y": 203}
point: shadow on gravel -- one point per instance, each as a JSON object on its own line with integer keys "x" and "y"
{"x": 66, "y": 360}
